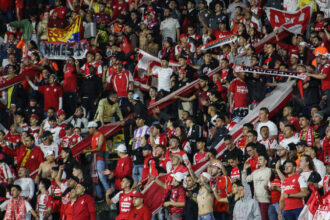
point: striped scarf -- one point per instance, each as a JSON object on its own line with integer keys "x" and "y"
{"x": 15, "y": 209}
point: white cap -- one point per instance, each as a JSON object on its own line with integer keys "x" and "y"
{"x": 121, "y": 148}
{"x": 179, "y": 176}
{"x": 285, "y": 146}
{"x": 48, "y": 153}
{"x": 136, "y": 97}
{"x": 206, "y": 175}
{"x": 92, "y": 124}
{"x": 294, "y": 55}
{"x": 303, "y": 44}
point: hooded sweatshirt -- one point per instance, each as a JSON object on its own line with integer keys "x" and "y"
{"x": 246, "y": 208}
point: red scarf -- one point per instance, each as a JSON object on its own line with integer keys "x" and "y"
{"x": 309, "y": 136}
{"x": 15, "y": 209}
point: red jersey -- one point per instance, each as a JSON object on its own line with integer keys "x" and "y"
{"x": 325, "y": 83}
{"x": 5, "y": 174}
{"x": 126, "y": 46}
{"x": 240, "y": 90}
{"x": 319, "y": 26}
{"x": 224, "y": 187}
{"x": 84, "y": 208}
{"x": 326, "y": 148}
{"x": 235, "y": 173}
{"x": 220, "y": 34}
{"x": 125, "y": 204}
{"x": 117, "y": 8}
{"x": 241, "y": 143}
{"x": 70, "y": 141}
{"x": 199, "y": 157}
{"x": 56, "y": 193}
{"x": 146, "y": 168}
{"x": 292, "y": 185}
{"x": 275, "y": 195}
{"x": 44, "y": 202}
{"x": 94, "y": 143}
{"x": 61, "y": 11}
{"x": 51, "y": 96}
{"x": 295, "y": 122}
{"x": 176, "y": 152}
{"x": 120, "y": 82}
{"x": 160, "y": 139}
{"x": 163, "y": 163}
{"x": 143, "y": 213}
{"x": 35, "y": 132}
{"x": 326, "y": 184}
{"x": 124, "y": 168}
{"x": 253, "y": 161}
{"x": 13, "y": 138}
{"x": 178, "y": 194}
{"x": 70, "y": 80}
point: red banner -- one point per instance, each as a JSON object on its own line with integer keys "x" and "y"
{"x": 19, "y": 78}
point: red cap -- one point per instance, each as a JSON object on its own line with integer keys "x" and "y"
{"x": 136, "y": 194}
{"x": 34, "y": 116}
{"x": 60, "y": 112}
{"x": 182, "y": 35}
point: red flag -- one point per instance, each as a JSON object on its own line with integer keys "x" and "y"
{"x": 295, "y": 22}
{"x": 19, "y": 78}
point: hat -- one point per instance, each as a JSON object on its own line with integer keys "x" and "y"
{"x": 48, "y": 153}
{"x": 121, "y": 148}
{"x": 294, "y": 55}
{"x": 285, "y": 146}
{"x": 206, "y": 175}
{"x": 319, "y": 114}
{"x": 136, "y": 194}
{"x": 60, "y": 112}
{"x": 92, "y": 124}
{"x": 218, "y": 165}
{"x": 179, "y": 176}
{"x": 52, "y": 118}
{"x": 182, "y": 36}
{"x": 147, "y": 147}
{"x": 34, "y": 116}
{"x": 68, "y": 126}
{"x": 177, "y": 156}
{"x": 303, "y": 44}
{"x": 46, "y": 134}
{"x": 136, "y": 97}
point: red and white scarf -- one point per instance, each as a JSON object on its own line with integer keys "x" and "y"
{"x": 309, "y": 136}
{"x": 15, "y": 209}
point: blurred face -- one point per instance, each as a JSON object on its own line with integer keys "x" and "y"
{"x": 50, "y": 112}
{"x": 200, "y": 145}
{"x": 190, "y": 182}
{"x": 52, "y": 123}
{"x": 251, "y": 151}
{"x": 145, "y": 153}
{"x": 303, "y": 164}
{"x": 14, "y": 192}
{"x": 28, "y": 142}
{"x": 234, "y": 189}
{"x": 261, "y": 161}
{"x": 77, "y": 131}
{"x": 137, "y": 201}
{"x": 80, "y": 190}
{"x": 73, "y": 194}
{"x": 139, "y": 122}
{"x": 124, "y": 183}
{"x": 288, "y": 132}
{"x": 281, "y": 152}
{"x": 51, "y": 158}
{"x": 167, "y": 13}
{"x": 303, "y": 122}
{"x": 229, "y": 144}
{"x": 232, "y": 163}
{"x": 90, "y": 58}
{"x": 328, "y": 169}
{"x": 91, "y": 130}
{"x": 64, "y": 154}
{"x": 263, "y": 116}
{"x": 175, "y": 161}
{"x": 289, "y": 168}
{"x": 241, "y": 191}
{"x": 21, "y": 172}
{"x": 264, "y": 132}
{"x": 164, "y": 63}
{"x": 250, "y": 138}
{"x": 154, "y": 131}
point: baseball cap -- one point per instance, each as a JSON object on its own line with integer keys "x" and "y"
{"x": 215, "y": 164}
{"x": 121, "y": 148}
{"x": 60, "y": 112}
{"x": 179, "y": 176}
{"x": 206, "y": 175}
{"x": 177, "y": 156}
{"x": 136, "y": 97}
{"x": 285, "y": 146}
{"x": 319, "y": 114}
{"x": 92, "y": 124}
{"x": 34, "y": 116}
{"x": 136, "y": 194}
{"x": 182, "y": 36}
{"x": 48, "y": 153}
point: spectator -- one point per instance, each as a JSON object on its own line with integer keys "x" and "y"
{"x": 170, "y": 26}
{"x": 140, "y": 211}
{"x": 84, "y": 207}
{"x": 264, "y": 121}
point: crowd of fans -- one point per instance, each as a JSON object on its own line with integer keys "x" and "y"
{"x": 269, "y": 173}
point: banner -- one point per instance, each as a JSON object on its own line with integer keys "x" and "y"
{"x": 294, "y": 22}
{"x": 62, "y": 50}
{"x": 271, "y": 72}
{"x": 68, "y": 34}
{"x": 141, "y": 80}
{"x": 5, "y": 84}
{"x": 219, "y": 42}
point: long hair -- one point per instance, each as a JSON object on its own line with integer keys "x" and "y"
{"x": 311, "y": 165}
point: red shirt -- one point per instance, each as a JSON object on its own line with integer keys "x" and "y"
{"x": 253, "y": 161}
{"x": 295, "y": 122}
{"x": 146, "y": 168}
{"x": 51, "y": 96}
{"x": 120, "y": 82}
{"x": 143, "y": 213}
{"x": 275, "y": 194}
{"x": 241, "y": 143}
{"x": 56, "y": 193}
{"x": 240, "y": 91}
{"x": 224, "y": 187}
{"x": 162, "y": 163}
{"x": 124, "y": 168}
{"x": 70, "y": 80}
{"x": 199, "y": 157}
{"x": 125, "y": 205}
{"x": 160, "y": 139}
{"x": 235, "y": 173}
{"x": 117, "y": 8}
{"x": 291, "y": 186}
{"x": 35, "y": 159}
{"x": 178, "y": 194}
{"x": 61, "y": 11}
{"x": 325, "y": 83}
{"x": 70, "y": 141}
{"x": 326, "y": 184}
{"x": 84, "y": 208}
{"x": 220, "y": 34}
{"x": 13, "y": 138}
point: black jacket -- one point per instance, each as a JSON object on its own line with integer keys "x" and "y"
{"x": 218, "y": 136}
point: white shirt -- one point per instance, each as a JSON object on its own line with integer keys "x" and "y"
{"x": 169, "y": 27}
{"x": 56, "y": 134}
{"x": 27, "y": 185}
{"x": 164, "y": 75}
{"x": 290, "y": 5}
{"x": 53, "y": 147}
{"x": 320, "y": 168}
{"x": 286, "y": 141}
{"x": 273, "y": 131}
